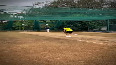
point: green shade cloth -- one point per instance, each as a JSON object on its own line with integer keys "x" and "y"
{"x": 79, "y": 14}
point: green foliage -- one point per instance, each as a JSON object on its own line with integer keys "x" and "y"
{"x": 82, "y": 4}
{"x": 89, "y": 4}
{"x": 58, "y": 25}
{"x": 3, "y": 25}
{"x": 23, "y": 25}
{"x": 76, "y": 4}
{"x": 113, "y": 4}
{"x": 63, "y": 3}
{"x": 83, "y": 25}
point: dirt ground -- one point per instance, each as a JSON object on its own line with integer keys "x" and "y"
{"x": 53, "y": 48}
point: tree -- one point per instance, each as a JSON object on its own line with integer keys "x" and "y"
{"x": 76, "y": 4}
{"x": 113, "y": 4}
{"x": 62, "y": 3}
{"x": 89, "y": 4}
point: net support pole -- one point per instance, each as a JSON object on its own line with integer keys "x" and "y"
{"x": 10, "y": 25}
{"x": 36, "y": 26}
{"x": 108, "y": 25}
{"x": 58, "y": 24}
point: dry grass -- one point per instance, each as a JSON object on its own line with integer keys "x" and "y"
{"x": 41, "y": 48}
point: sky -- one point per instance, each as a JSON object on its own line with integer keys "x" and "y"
{"x": 20, "y": 2}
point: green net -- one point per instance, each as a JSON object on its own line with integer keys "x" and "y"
{"x": 58, "y": 17}
{"x": 80, "y": 14}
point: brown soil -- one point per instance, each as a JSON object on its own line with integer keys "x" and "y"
{"x": 42, "y": 48}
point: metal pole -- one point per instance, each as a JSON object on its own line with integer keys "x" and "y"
{"x": 36, "y": 25}
{"x": 108, "y": 25}
{"x": 10, "y": 25}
